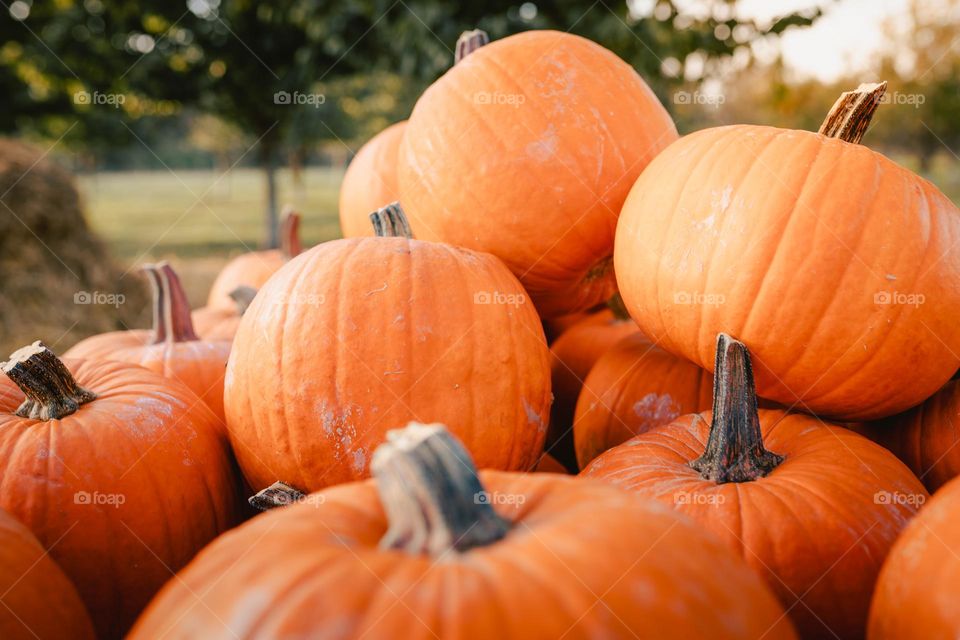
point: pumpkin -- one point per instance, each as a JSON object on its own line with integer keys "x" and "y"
{"x": 926, "y": 438}
{"x": 370, "y": 181}
{"x": 526, "y": 149}
{"x": 172, "y": 348}
{"x": 253, "y": 268}
{"x": 39, "y": 601}
{"x": 431, "y": 549}
{"x": 221, "y": 324}
{"x": 916, "y": 593}
{"x": 633, "y": 387}
{"x": 120, "y": 473}
{"x": 832, "y": 263}
{"x": 815, "y": 513}
{"x": 572, "y": 356}
{"x": 549, "y": 464}
{"x": 356, "y": 336}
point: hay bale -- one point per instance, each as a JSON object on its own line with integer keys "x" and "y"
{"x": 57, "y": 282}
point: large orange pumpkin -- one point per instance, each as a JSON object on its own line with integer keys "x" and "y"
{"x": 926, "y": 438}
{"x": 253, "y": 268}
{"x": 215, "y": 323}
{"x": 836, "y": 266}
{"x": 359, "y": 335}
{"x": 815, "y": 514}
{"x": 171, "y": 348}
{"x": 122, "y": 475}
{"x": 916, "y": 594}
{"x": 526, "y": 149}
{"x": 431, "y": 550}
{"x": 633, "y": 387}
{"x": 39, "y": 601}
{"x": 370, "y": 182}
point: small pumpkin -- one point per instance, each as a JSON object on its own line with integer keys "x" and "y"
{"x": 39, "y": 601}
{"x": 253, "y": 268}
{"x": 815, "y": 514}
{"x": 836, "y": 266}
{"x": 370, "y": 181}
{"x": 572, "y": 356}
{"x": 431, "y": 549}
{"x": 221, "y": 324}
{"x": 926, "y": 438}
{"x": 358, "y": 335}
{"x": 634, "y": 387}
{"x": 120, "y": 473}
{"x": 172, "y": 348}
{"x": 549, "y": 464}
{"x": 526, "y": 149}
{"x": 916, "y": 594}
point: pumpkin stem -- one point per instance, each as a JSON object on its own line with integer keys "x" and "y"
{"x": 850, "y": 115}
{"x": 290, "y": 245}
{"x": 618, "y": 308}
{"x": 391, "y": 222}
{"x": 431, "y": 494}
{"x": 735, "y": 450}
{"x": 171, "y": 309}
{"x": 52, "y": 393}
{"x": 279, "y": 494}
{"x": 468, "y": 42}
{"x": 243, "y": 296}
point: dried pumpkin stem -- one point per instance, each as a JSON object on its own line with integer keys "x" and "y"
{"x": 243, "y": 296}
{"x": 468, "y": 42}
{"x": 171, "y": 309}
{"x": 391, "y": 222}
{"x": 279, "y": 494}
{"x": 735, "y": 451}
{"x": 431, "y": 494}
{"x": 51, "y": 390}
{"x": 290, "y": 245}
{"x": 850, "y": 115}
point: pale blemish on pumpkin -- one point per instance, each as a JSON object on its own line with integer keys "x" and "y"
{"x": 655, "y": 409}
{"x": 544, "y": 148}
{"x": 379, "y": 290}
{"x": 358, "y": 460}
{"x": 533, "y": 416}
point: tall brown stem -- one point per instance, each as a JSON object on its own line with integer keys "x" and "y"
{"x": 290, "y": 233}
{"x": 171, "y": 309}
{"x": 391, "y": 222}
{"x": 51, "y": 391}
{"x": 468, "y": 42}
{"x": 850, "y": 115}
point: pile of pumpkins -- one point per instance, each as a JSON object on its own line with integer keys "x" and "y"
{"x": 735, "y": 428}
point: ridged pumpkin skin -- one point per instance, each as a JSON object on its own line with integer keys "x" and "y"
{"x": 795, "y": 243}
{"x": 633, "y": 388}
{"x": 637, "y": 570}
{"x": 526, "y": 149}
{"x": 39, "y": 601}
{"x": 370, "y": 181}
{"x": 916, "y": 594}
{"x": 146, "y": 438}
{"x": 926, "y": 438}
{"x": 818, "y": 526}
{"x": 358, "y": 336}
{"x": 216, "y": 324}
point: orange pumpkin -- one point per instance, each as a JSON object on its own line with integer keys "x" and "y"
{"x": 815, "y": 514}
{"x": 431, "y": 550}
{"x": 916, "y": 594}
{"x": 119, "y": 472}
{"x": 359, "y": 335}
{"x": 634, "y": 387}
{"x": 549, "y": 464}
{"x": 253, "y": 268}
{"x": 833, "y": 264}
{"x": 926, "y": 438}
{"x": 526, "y": 149}
{"x": 221, "y": 324}
{"x": 370, "y": 182}
{"x": 39, "y": 601}
{"x": 572, "y": 356}
{"x": 172, "y": 348}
